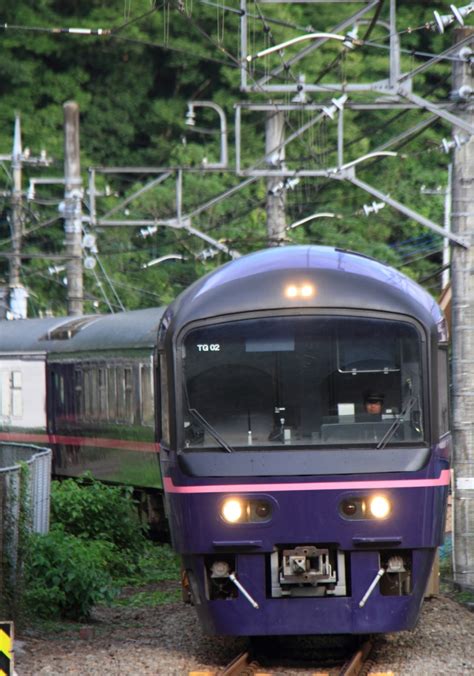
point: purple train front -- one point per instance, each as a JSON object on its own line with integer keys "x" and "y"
{"x": 295, "y": 510}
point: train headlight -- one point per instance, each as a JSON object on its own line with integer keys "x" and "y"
{"x": 246, "y": 510}
{"x": 232, "y": 510}
{"x": 379, "y": 507}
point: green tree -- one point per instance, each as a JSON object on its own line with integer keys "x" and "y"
{"x": 133, "y": 83}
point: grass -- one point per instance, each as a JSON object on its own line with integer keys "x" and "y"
{"x": 147, "y": 599}
{"x": 448, "y": 586}
{"x": 155, "y": 581}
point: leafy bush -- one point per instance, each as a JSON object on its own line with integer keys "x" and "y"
{"x": 96, "y": 536}
{"x": 65, "y": 576}
{"x": 91, "y": 510}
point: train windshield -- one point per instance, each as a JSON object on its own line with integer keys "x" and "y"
{"x": 306, "y": 380}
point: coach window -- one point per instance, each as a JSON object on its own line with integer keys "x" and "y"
{"x": 128, "y": 393}
{"x": 120, "y": 394}
{"x": 93, "y": 393}
{"x": 58, "y": 392}
{"x": 112, "y": 393}
{"x": 164, "y": 400}
{"x": 79, "y": 393}
{"x": 102, "y": 392}
{"x": 146, "y": 394}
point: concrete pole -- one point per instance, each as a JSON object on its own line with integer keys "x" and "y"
{"x": 276, "y": 193}
{"x": 448, "y": 196}
{"x": 17, "y": 294}
{"x": 73, "y": 194}
{"x": 16, "y": 212}
{"x": 462, "y": 271}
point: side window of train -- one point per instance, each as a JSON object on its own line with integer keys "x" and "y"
{"x": 79, "y": 393}
{"x": 112, "y": 393}
{"x": 128, "y": 393}
{"x": 443, "y": 391}
{"x": 124, "y": 385}
{"x": 146, "y": 394}
{"x": 164, "y": 401}
{"x": 101, "y": 393}
{"x": 87, "y": 392}
{"x": 93, "y": 392}
{"x": 59, "y": 394}
{"x": 120, "y": 394}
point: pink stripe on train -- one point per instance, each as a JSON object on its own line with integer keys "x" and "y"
{"x": 100, "y": 442}
{"x": 442, "y": 480}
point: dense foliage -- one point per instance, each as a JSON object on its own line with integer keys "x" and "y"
{"x": 95, "y": 539}
{"x": 66, "y": 575}
{"x": 133, "y": 85}
{"x": 92, "y": 510}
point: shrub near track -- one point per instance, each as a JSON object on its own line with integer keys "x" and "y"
{"x": 95, "y": 537}
{"x": 92, "y": 510}
{"x": 65, "y": 576}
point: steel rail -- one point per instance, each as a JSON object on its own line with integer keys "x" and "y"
{"x": 356, "y": 663}
{"x": 244, "y": 664}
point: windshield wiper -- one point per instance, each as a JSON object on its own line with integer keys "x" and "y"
{"x": 209, "y": 428}
{"x": 396, "y": 423}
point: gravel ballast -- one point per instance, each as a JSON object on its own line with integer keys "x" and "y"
{"x": 167, "y": 640}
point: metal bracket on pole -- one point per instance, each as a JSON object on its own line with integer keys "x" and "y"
{"x": 440, "y": 112}
{"x": 349, "y": 175}
{"x": 260, "y": 85}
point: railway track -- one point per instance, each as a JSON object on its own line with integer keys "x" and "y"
{"x": 248, "y": 663}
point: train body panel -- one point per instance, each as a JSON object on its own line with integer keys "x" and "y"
{"x": 310, "y": 511}
{"x": 23, "y": 380}
{"x": 308, "y": 516}
{"x": 297, "y": 510}
{"x": 87, "y": 391}
{"x": 315, "y": 615}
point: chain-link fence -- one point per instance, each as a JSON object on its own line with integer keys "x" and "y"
{"x": 25, "y": 486}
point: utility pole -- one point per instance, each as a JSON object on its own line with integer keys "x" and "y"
{"x": 17, "y": 293}
{"x": 276, "y": 192}
{"x": 16, "y": 207}
{"x": 73, "y": 194}
{"x": 462, "y": 270}
{"x": 448, "y": 197}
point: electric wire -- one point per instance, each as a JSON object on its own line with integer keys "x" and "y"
{"x": 136, "y": 19}
{"x": 205, "y": 34}
{"x": 44, "y": 224}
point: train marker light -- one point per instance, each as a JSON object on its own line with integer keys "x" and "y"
{"x": 349, "y": 507}
{"x": 232, "y": 510}
{"x": 263, "y": 510}
{"x": 291, "y": 291}
{"x": 307, "y": 290}
{"x": 380, "y": 507}
{"x": 304, "y": 290}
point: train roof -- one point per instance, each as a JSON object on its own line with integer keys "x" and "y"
{"x": 341, "y": 279}
{"x": 123, "y": 330}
